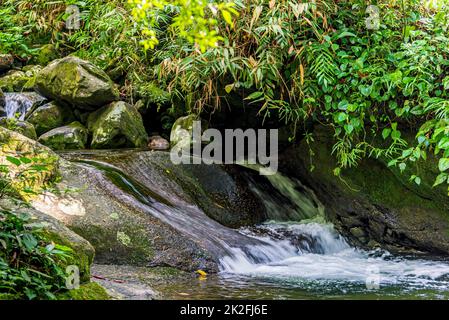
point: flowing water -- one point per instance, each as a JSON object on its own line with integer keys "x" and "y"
{"x": 18, "y": 104}
{"x": 301, "y": 259}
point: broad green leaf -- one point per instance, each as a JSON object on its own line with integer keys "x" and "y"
{"x": 229, "y": 88}
{"x": 254, "y": 95}
{"x": 443, "y": 164}
{"x": 418, "y": 180}
{"x": 349, "y": 128}
{"x": 346, "y": 34}
{"x": 396, "y": 135}
{"x": 227, "y": 16}
{"x": 14, "y": 160}
{"x": 442, "y": 177}
{"x": 342, "y": 117}
{"x": 386, "y": 133}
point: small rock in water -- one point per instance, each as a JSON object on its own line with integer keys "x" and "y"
{"x": 158, "y": 143}
{"x": 6, "y": 61}
{"x": 70, "y": 137}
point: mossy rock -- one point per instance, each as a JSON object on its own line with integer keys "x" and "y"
{"x": 46, "y": 54}
{"x": 16, "y": 145}
{"x": 22, "y": 80}
{"x": 77, "y": 83}
{"x": 121, "y": 231}
{"x": 23, "y": 127}
{"x": 71, "y": 137}
{"x": 83, "y": 253}
{"x": 117, "y": 125}
{"x": 181, "y": 132}
{"x": 53, "y": 230}
{"x": 369, "y": 203}
{"x": 50, "y": 116}
{"x": 88, "y": 291}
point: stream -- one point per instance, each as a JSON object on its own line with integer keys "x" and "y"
{"x": 279, "y": 259}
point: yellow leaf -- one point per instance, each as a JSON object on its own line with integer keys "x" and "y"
{"x": 201, "y": 273}
{"x": 301, "y": 73}
{"x": 272, "y": 3}
{"x": 227, "y": 17}
{"x": 229, "y": 87}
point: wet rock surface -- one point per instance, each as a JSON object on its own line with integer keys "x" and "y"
{"x": 369, "y": 205}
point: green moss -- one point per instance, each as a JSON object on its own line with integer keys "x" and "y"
{"x": 70, "y": 137}
{"x": 16, "y": 81}
{"x": 81, "y": 258}
{"x": 49, "y": 116}
{"x": 46, "y": 54}
{"x": 22, "y": 127}
{"x": 374, "y": 180}
{"x": 117, "y": 125}
{"x": 136, "y": 250}
{"x": 7, "y": 296}
{"x": 76, "y": 82}
{"x": 88, "y": 291}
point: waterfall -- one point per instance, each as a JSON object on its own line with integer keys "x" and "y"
{"x": 18, "y": 104}
{"x": 285, "y": 198}
{"x": 297, "y": 246}
{"x": 321, "y": 254}
{"x": 310, "y": 249}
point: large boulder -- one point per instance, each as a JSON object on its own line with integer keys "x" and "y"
{"x": 50, "y": 116}
{"x": 70, "y": 137}
{"x": 137, "y": 208}
{"x": 371, "y": 205}
{"x": 77, "y": 83}
{"x": 121, "y": 232}
{"x": 22, "y": 127}
{"x": 117, "y": 125}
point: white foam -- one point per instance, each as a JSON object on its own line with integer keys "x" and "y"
{"x": 339, "y": 261}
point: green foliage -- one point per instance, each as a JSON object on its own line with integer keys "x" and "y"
{"x": 12, "y": 38}
{"x": 288, "y": 58}
{"x": 319, "y": 61}
{"x": 29, "y": 266}
{"x": 25, "y": 175}
{"x": 192, "y": 20}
